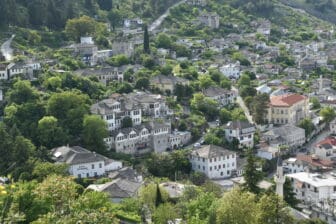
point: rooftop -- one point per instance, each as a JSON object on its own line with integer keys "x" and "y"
{"x": 211, "y": 151}
{"x": 286, "y": 100}
{"x": 314, "y": 179}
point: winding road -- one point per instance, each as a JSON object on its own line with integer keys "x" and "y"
{"x": 159, "y": 20}
{"x": 7, "y": 50}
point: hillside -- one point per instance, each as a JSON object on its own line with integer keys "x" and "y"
{"x": 54, "y": 14}
{"x": 324, "y": 9}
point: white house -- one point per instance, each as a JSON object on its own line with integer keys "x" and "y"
{"x": 222, "y": 96}
{"x": 84, "y": 163}
{"x": 214, "y": 161}
{"x": 264, "y": 89}
{"x": 231, "y": 71}
{"x": 326, "y": 149}
{"x": 1, "y": 95}
{"x": 243, "y": 131}
{"x": 113, "y": 111}
{"x": 302, "y": 162}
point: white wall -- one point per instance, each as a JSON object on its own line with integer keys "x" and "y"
{"x": 88, "y": 169}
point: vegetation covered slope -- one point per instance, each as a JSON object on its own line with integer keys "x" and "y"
{"x": 324, "y": 9}
{"x": 53, "y": 14}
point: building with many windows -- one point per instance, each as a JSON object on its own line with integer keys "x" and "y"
{"x": 84, "y": 163}
{"x": 288, "y": 109}
{"x": 242, "y": 131}
{"x": 214, "y": 161}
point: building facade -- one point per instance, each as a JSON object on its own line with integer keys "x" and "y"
{"x": 243, "y": 131}
{"x": 288, "y": 109}
{"x": 214, "y": 161}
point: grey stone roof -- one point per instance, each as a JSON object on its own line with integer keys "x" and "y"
{"x": 211, "y": 151}
{"x": 238, "y": 125}
{"x": 76, "y": 155}
{"x": 121, "y": 188}
{"x": 163, "y": 79}
{"x": 215, "y": 91}
{"x": 283, "y": 131}
{"x": 105, "y": 106}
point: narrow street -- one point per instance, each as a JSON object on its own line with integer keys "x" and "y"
{"x": 242, "y": 105}
{"x": 6, "y": 49}
{"x": 157, "y": 23}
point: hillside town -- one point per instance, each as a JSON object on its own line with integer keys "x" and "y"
{"x": 196, "y": 100}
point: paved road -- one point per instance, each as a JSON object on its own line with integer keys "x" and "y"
{"x": 241, "y": 103}
{"x": 159, "y": 20}
{"x": 6, "y": 49}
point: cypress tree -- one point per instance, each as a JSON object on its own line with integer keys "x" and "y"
{"x": 146, "y": 40}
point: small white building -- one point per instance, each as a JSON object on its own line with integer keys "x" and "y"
{"x": 264, "y": 89}
{"x": 326, "y": 149}
{"x": 243, "y": 131}
{"x": 231, "y": 71}
{"x": 214, "y": 161}
{"x": 1, "y": 95}
{"x": 179, "y": 139}
{"x": 84, "y": 163}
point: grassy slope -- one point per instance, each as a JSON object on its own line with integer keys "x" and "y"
{"x": 328, "y": 15}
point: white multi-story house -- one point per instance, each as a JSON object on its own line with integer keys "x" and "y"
{"x": 84, "y": 163}
{"x": 288, "y": 109}
{"x": 303, "y": 162}
{"x": 243, "y": 131}
{"x": 317, "y": 192}
{"x": 114, "y": 110}
{"x": 153, "y": 136}
{"x": 214, "y": 161}
{"x": 287, "y": 135}
{"x": 222, "y": 96}
{"x": 153, "y": 105}
{"x": 326, "y": 149}
{"x": 231, "y": 71}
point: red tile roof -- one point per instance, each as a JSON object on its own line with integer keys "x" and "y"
{"x": 329, "y": 140}
{"x": 286, "y": 100}
{"x": 317, "y": 162}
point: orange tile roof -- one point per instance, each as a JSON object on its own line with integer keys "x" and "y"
{"x": 328, "y": 140}
{"x": 286, "y": 100}
{"x": 315, "y": 161}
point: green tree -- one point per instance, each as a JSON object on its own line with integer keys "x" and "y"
{"x": 316, "y": 103}
{"x": 164, "y": 213}
{"x": 142, "y": 83}
{"x": 272, "y": 209}
{"x": 50, "y": 134}
{"x": 259, "y": 108}
{"x": 43, "y": 169}
{"x": 115, "y": 17}
{"x": 126, "y": 122}
{"x": 289, "y": 194}
{"x": 79, "y": 27}
{"x": 163, "y": 41}
{"x": 208, "y": 107}
{"x": 146, "y": 40}
{"x": 328, "y": 114}
{"x": 69, "y": 108}
{"x": 225, "y": 116}
{"x": 94, "y": 132}
{"x": 235, "y": 207}
{"x": 251, "y": 175}
{"x": 307, "y": 125}
{"x": 244, "y": 80}
{"x": 22, "y": 92}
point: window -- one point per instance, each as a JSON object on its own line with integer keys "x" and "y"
{"x": 199, "y": 167}
{"x": 303, "y": 194}
{"x": 92, "y": 166}
{"x": 95, "y": 174}
{"x": 215, "y": 159}
{"x": 87, "y": 175}
{"x": 79, "y": 176}
{"x": 215, "y": 167}
{"x": 203, "y": 167}
{"x": 221, "y": 173}
{"x": 210, "y": 168}
{"x": 210, "y": 160}
{"x": 100, "y": 165}
{"x": 203, "y": 160}
{"x": 228, "y": 172}
{"x": 233, "y": 164}
{"x": 219, "y": 166}
{"x": 223, "y": 165}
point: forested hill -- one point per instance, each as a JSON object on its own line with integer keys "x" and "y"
{"x": 53, "y": 14}
{"x": 323, "y": 9}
